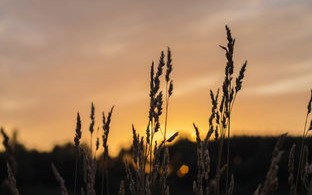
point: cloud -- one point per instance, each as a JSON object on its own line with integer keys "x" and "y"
{"x": 17, "y": 104}
{"x": 283, "y": 87}
{"x": 196, "y": 84}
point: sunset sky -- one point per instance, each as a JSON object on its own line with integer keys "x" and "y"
{"x": 56, "y": 57}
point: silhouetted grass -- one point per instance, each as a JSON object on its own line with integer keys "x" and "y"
{"x": 219, "y": 165}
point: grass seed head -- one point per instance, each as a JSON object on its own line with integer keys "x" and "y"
{"x": 97, "y": 144}
{"x": 198, "y": 140}
{"x": 173, "y": 137}
{"x": 170, "y": 90}
{"x": 92, "y": 117}
{"x": 239, "y": 79}
{"x": 168, "y": 65}
{"x": 106, "y": 128}
{"x": 309, "y": 107}
{"x": 5, "y": 141}
{"x": 78, "y": 131}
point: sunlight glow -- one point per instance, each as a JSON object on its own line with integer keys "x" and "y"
{"x": 183, "y": 170}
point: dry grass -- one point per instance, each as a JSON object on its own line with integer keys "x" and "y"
{"x": 220, "y": 124}
{"x": 291, "y": 168}
{"x": 270, "y": 184}
{"x": 303, "y": 172}
{"x": 10, "y": 183}
{"x": 148, "y": 171}
{"x": 151, "y": 159}
{"x": 59, "y": 179}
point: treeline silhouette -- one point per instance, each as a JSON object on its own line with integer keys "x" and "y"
{"x": 249, "y": 161}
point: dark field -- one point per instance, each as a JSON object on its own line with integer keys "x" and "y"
{"x": 249, "y": 161}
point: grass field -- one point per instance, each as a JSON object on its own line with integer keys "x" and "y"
{"x": 158, "y": 163}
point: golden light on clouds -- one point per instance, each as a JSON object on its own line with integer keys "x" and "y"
{"x": 57, "y": 57}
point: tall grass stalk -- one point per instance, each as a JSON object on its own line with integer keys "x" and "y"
{"x": 220, "y": 123}
{"x": 291, "y": 167}
{"x": 77, "y": 142}
{"x": 150, "y": 158}
{"x": 169, "y": 88}
{"x": 59, "y": 179}
{"x": 106, "y": 120}
{"x": 91, "y": 127}
{"x": 11, "y": 181}
{"x": 304, "y": 134}
{"x": 271, "y": 183}
{"x": 10, "y": 163}
{"x": 226, "y": 105}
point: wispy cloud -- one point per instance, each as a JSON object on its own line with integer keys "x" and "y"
{"x": 17, "y": 104}
{"x": 283, "y": 87}
{"x": 196, "y": 84}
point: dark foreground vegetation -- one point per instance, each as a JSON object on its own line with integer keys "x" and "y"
{"x": 250, "y": 159}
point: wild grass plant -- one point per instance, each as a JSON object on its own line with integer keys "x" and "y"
{"x": 10, "y": 164}
{"x": 151, "y": 158}
{"x": 305, "y": 168}
{"x": 220, "y": 125}
{"x": 149, "y": 168}
{"x": 60, "y": 180}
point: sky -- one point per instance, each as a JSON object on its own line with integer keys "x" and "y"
{"x": 56, "y": 57}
